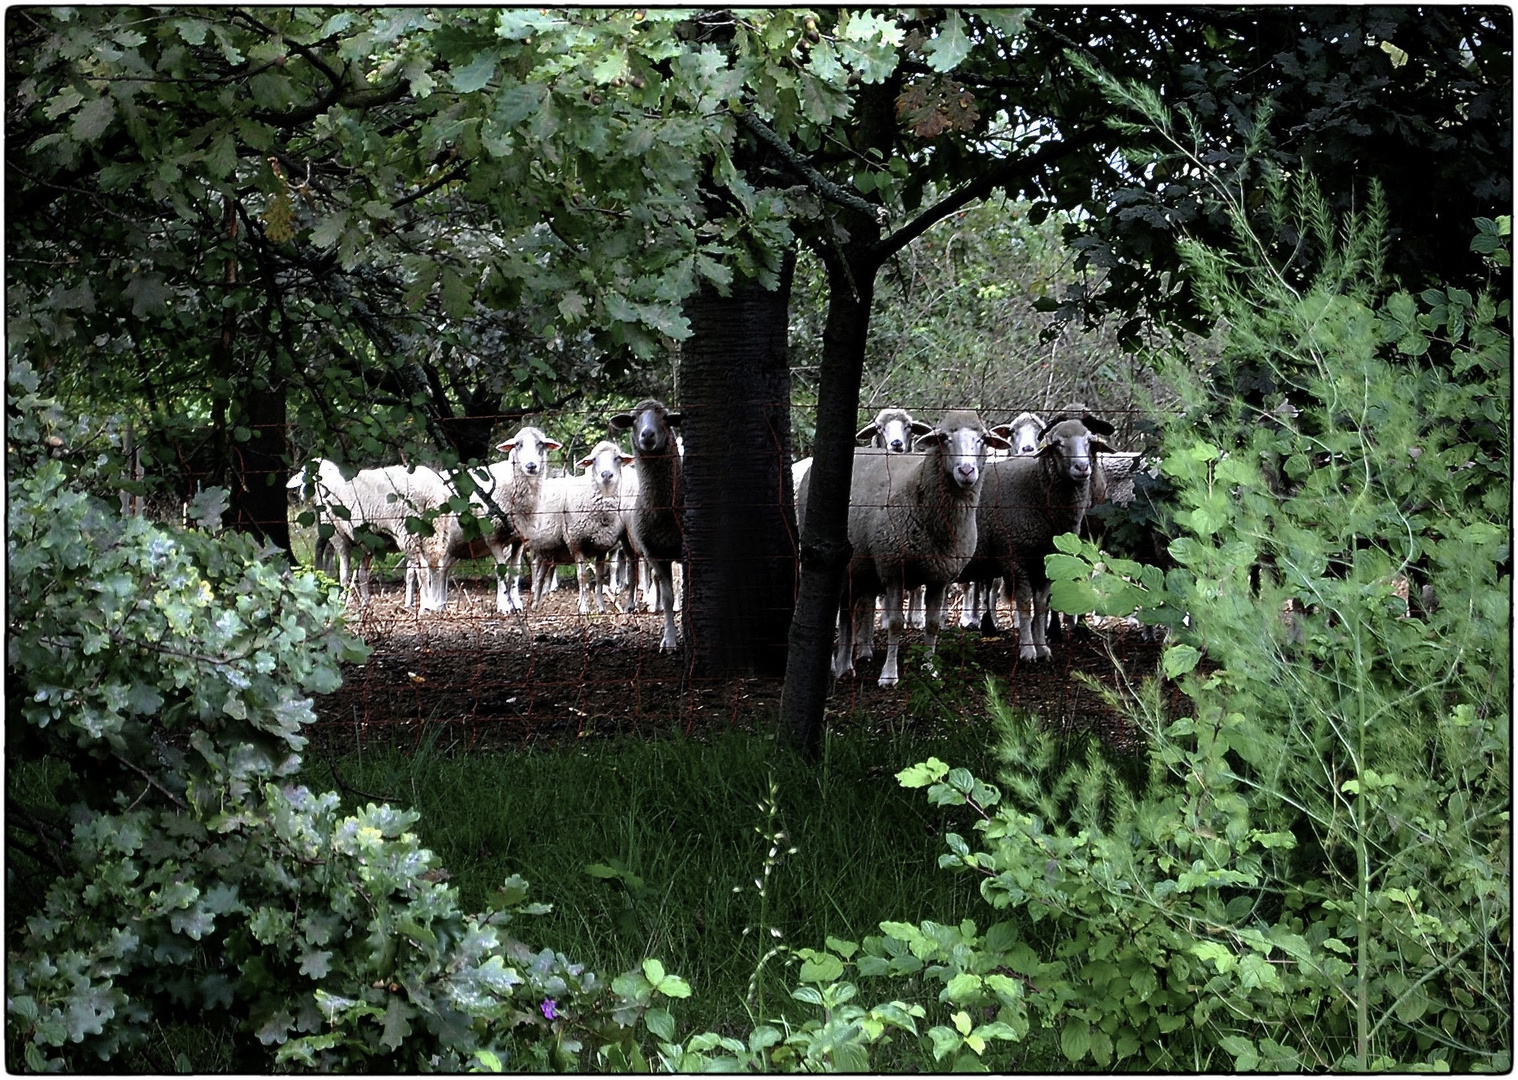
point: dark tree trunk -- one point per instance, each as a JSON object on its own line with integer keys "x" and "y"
{"x": 260, "y": 467}
{"x": 825, "y": 547}
{"x": 739, "y": 519}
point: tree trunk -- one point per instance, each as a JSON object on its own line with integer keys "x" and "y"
{"x": 739, "y": 518}
{"x": 825, "y": 546}
{"x": 260, "y": 467}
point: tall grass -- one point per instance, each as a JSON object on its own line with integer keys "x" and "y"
{"x": 678, "y": 832}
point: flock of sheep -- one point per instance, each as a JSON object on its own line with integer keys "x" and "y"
{"x": 931, "y": 507}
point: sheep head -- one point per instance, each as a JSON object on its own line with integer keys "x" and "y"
{"x": 893, "y": 430}
{"x": 651, "y": 424}
{"x": 1023, "y": 432}
{"x": 528, "y": 451}
{"x": 962, "y": 440}
{"x": 604, "y": 466}
{"x": 1069, "y": 446}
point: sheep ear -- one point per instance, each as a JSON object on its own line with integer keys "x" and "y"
{"x": 506, "y": 447}
{"x": 627, "y": 459}
{"x": 673, "y": 419}
{"x": 866, "y": 432}
{"x": 585, "y": 463}
{"x": 622, "y": 420}
{"x": 996, "y": 440}
{"x": 1097, "y": 426}
{"x": 1002, "y": 429}
{"x": 921, "y": 427}
{"x": 1097, "y": 446}
{"x": 931, "y": 437}
{"x": 552, "y": 444}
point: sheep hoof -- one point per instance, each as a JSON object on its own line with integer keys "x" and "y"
{"x": 1045, "y": 653}
{"x": 1027, "y": 652}
{"x": 887, "y": 679}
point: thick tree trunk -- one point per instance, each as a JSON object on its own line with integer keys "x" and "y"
{"x": 739, "y": 519}
{"x": 825, "y": 547}
{"x": 260, "y": 468}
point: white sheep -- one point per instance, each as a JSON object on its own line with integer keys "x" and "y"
{"x": 510, "y": 488}
{"x": 894, "y": 429}
{"x": 383, "y": 500}
{"x": 981, "y": 597}
{"x": 654, "y": 527}
{"x": 911, "y": 522}
{"x": 579, "y": 520}
{"x": 1025, "y": 503}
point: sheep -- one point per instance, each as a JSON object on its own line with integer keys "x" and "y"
{"x": 981, "y": 598}
{"x": 911, "y": 522}
{"x": 509, "y": 487}
{"x": 654, "y": 528}
{"x": 1025, "y": 503}
{"x": 894, "y": 429}
{"x": 383, "y": 499}
{"x": 579, "y": 520}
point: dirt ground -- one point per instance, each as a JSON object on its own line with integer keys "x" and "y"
{"x": 468, "y": 677}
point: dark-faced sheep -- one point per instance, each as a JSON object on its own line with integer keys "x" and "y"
{"x": 654, "y": 528}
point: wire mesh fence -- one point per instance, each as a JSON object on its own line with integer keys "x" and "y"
{"x": 474, "y": 674}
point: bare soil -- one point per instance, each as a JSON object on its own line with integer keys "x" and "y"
{"x": 468, "y": 676}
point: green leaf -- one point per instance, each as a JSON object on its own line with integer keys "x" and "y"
{"x": 948, "y": 48}
{"x": 475, "y": 75}
{"x": 1177, "y": 660}
{"x": 92, "y": 119}
{"x": 661, "y": 1023}
{"x": 821, "y": 968}
{"x": 1075, "y": 1039}
{"x": 928, "y": 772}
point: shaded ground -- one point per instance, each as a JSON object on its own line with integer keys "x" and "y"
{"x": 468, "y": 676}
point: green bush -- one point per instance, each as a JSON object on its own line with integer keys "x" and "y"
{"x": 165, "y": 866}
{"x": 1310, "y": 870}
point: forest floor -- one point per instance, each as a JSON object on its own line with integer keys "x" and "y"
{"x": 470, "y": 677}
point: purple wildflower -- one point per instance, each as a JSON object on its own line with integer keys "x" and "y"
{"x": 550, "y": 1009}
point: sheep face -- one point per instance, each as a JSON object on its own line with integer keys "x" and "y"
{"x": 651, "y": 425}
{"x": 893, "y": 430}
{"x": 528, "y": 450}
{"x": 1022, "y": 433}
{"x": 962, "y": 441}
{"x": 604, "y": 467}
{"x": 1075, "y": 447}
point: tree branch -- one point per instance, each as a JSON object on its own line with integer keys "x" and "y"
{"x": 1001, "y": 175}
{"x": 821, "y": 185}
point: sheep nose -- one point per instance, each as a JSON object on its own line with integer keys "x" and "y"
{"x": 966, "y": 473}
{"x": 897, "y": 446}
{"x": 530, "y": 467}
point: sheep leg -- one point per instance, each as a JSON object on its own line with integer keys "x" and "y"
{"x": 915, "y": 607}
{"x": 894, "y": 622}
{"x": 1041, "y": 650}
{"x": 665, "y": 581}
{"x": 843, "y": 658}
{"x": 969, "y": 605}
{"x": 518, "y": 552}
{"x": 600, "y": 586}
{"x": 992, "y": 597}
{"x": 932, "y": 621}
{"x": 582, "y": 581}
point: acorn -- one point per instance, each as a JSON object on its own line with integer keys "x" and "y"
{"x": 637, "y": 82}
{"x": 595, "y": 99}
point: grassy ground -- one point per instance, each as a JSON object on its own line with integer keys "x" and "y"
{"x": 679, "y": 831}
